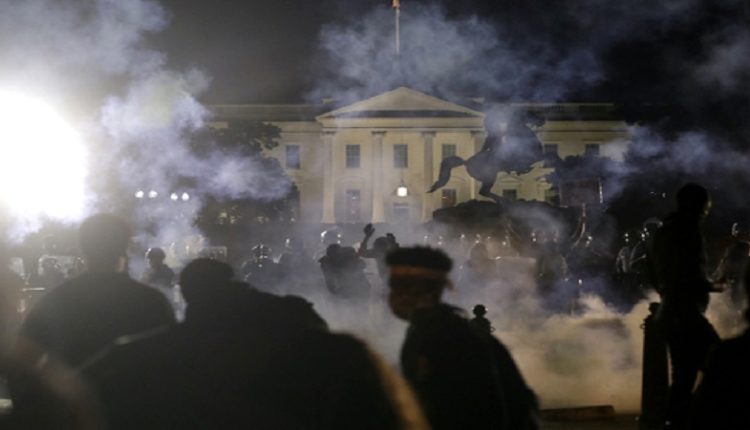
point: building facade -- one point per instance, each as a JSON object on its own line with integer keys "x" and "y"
{"x": 374, "y": 160}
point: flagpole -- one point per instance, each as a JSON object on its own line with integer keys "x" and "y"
{"x": 397, "y": 7}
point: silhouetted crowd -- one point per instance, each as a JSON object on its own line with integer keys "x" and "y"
{"x": 86, "y": 346}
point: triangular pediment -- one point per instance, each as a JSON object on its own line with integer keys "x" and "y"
{"x": 403, "y": 102}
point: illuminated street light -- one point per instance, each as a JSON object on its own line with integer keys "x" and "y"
{"x": 153, "y": 194}
{"x": 402, "y": 191}
{"x": 139, "y": 194}
{"x": 174, "y": 196}
{"x": 43, "y": 160}
{"x": 185, "y": 197}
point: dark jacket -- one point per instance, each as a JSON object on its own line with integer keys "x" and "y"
{"x": 269, "y": 369}
{"x": 677, "y": 263}
{"x": 86, "y": 313}
{"x": 464, "y": 378}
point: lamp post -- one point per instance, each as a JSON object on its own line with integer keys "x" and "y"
{"x": 402, "y": 190}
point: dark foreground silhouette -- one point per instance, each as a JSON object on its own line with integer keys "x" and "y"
{"x": 247, "y": 359}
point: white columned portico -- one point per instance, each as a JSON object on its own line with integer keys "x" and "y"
{"x": 378, "y": 212}
{"x": 328, "y": 187}
{"x": 428, "y": 199}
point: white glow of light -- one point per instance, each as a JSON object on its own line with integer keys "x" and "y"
{"x": 139, "y": 194}
{"x": 153, "y": 194}
{"x": 42, "y": 161}
{"x": 174, "y": 196}
{"x": 185, "y": 197}
{"x": 402, "y": 191}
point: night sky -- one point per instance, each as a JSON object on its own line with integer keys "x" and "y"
{"x": 258, "y": 52}
{"x": 255, "y": 51}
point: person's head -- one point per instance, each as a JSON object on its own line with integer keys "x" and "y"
{"x": 693, "y": 199}
{"x": 155, "y": 256}
{"x": 204, "y": 279}
{"x": 418, "y": 277}
{"x": 104, "y": 240}
{"x": 329, "y": 237}
{"x": 381, "y": 245}
{"x": 479, "y": 311}
{"x": 333, "y": 250}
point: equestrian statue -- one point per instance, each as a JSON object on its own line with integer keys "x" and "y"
{"x": 515, "y": 149}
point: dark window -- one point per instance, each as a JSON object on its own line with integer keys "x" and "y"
{"x": 510, "y": 194}
{"x": 449, "y": 150}
{"x": 448, "y": 198}
{"x": 353, "y": 206}
{"x": 292, "y": 157}
{"x": 591, "y": 149}
{"x": 352, "y": 156}
{"x": 550, "y": 148}
{"x": 400, "y": 156}
{"x": 401, "y": 212}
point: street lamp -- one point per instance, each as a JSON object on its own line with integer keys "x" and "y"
{"x": 153, "y": 194}
{"x": 139, "y": 194}
{"x": 402, "y": 191}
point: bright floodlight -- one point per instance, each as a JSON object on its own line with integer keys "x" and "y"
{"x": 185, "y": 197}
{"x": 153, "y": 194}
{"x": 402, "y": 191}
{"x": 139, "y": 194}
{"x": 42, "y": 161}
{"x": 174, "y": 196}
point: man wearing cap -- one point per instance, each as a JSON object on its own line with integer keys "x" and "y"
{"x": 463, "y": 377}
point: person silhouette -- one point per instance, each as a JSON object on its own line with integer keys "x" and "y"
{"x": 158, "y": 273}
{"x": 677, "y": 260}
{"x": 85, "y": 313}
{"x": 464, "y": 377}
{"x": 721, "y": 397}
{"x": 247, "y": 359}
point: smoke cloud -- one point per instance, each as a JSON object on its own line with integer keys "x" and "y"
{"x": 676, "y": 67}
{"x": 140, "y": 116}
{"x": 443, "y": 56}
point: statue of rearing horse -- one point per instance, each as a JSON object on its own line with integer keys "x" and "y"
{"x": 513, "y": 150}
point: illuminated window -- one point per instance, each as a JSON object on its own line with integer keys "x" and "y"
{"x": 400, "y": 156}
{"x": 293, "y": 157}
{"x": 352, "y": 156}
{"x": 448, "y": 198}
{"x": 449, "y": 150}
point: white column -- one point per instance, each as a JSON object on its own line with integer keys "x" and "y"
{"x": 328, "y": 186}
{"x": 428, "y": 200}
{"x": 478, "y": 137}
{"x": 378, "y": 197}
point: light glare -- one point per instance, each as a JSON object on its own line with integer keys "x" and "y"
{"x": 42, "y": 161}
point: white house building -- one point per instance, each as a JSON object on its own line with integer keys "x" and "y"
{"x": 374, "y": 160}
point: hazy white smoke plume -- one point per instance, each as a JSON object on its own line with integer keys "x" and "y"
{"x": 95, "y": 56}
{"x": 456, "y": 57}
